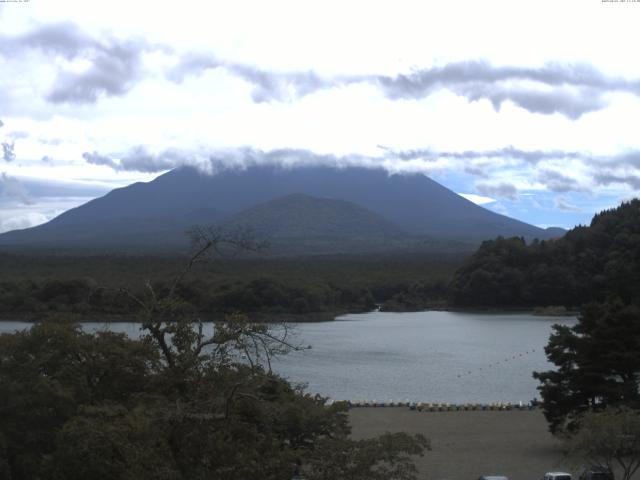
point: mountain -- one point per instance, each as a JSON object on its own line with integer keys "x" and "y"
{"x": 156, "y": 214}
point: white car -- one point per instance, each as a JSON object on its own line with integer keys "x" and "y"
{"x": 556, "y": 476}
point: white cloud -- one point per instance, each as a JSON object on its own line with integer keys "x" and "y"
{"x": 477, "y": 199}
{"x": 14, "y": 215}
{"x": 335, "y": 80}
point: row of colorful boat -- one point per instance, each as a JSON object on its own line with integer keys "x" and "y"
{"x": 445, "y": 407}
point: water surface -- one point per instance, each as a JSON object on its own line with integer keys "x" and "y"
{"x": 423, "y": 356}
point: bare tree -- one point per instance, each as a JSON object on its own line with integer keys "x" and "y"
{"x": 181, "y": 337}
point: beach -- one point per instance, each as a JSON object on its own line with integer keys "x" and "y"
{"x": 467, "y": 444}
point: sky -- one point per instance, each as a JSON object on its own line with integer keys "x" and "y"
{"x": 530, "y": 109}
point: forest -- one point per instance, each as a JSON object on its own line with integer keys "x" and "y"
{"x": 590, "y": 263}
{"x": 305, "y": 288}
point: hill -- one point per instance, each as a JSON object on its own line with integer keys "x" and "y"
{"x": 300, "y": 223}
{"x": 588, "y": 264}
{"x": 156, "y": 214}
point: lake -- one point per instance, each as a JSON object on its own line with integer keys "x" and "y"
{"x": 422, "y": 356}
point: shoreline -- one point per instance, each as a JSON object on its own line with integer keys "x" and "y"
{"x": 311, "y": 317}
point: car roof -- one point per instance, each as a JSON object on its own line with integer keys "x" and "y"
{"x": 557, "y": 473}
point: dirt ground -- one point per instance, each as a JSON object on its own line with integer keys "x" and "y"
{"x": 467, "y": 444}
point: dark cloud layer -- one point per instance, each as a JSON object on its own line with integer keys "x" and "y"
{"x": 96, "y": 159}
{"x": 558, "y": 182}
{"x": 611, "y": 178}
{"x": 115, "y": 65}
{"x": 508, "y": 152}
{"x": 268, "y": 86}
{"x": 500, "y": 190}
{"x": 140, "y": 159}
{"x": 571, "y": 90}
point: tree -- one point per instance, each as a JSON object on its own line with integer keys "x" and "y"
{"x": 598, "y": 363}
{"x": 179, "y": 403}
{"x": 608, "y": 439}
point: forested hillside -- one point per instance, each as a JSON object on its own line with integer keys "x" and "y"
{"x": 590, "y": 263}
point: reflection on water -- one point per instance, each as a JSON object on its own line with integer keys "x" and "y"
{"x": 423, "y": 356}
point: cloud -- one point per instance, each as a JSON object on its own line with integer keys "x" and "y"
{"x": 114, "y": 71}
{"x": 11, "y": 187}
{"x": 63, "y": 38}
{"x": 508, "y": 152}
{"x": 141, "y": 159}
{"x": 193, "y": 64}
{"x": 114, "y": 65}
{"x": 526, "y": 168}
{"x": 610, "y": 178}
{"x": 476, "y": 171}
{"x": 477, "y": 199}
{"x": 1, "y": 123}
{"x": 24, "y": 220}
{"x": 561, "y": 203}
{"x": 625, "y": 159}
{"x": 8, "y": 151}
{"x": 17, "y": 135}
{"x": 571, "y": 90}
{"x": 268, "y": 86}
{"x": 96, "y": 159}
{"x": 568, "y": 89}
{"x": 500, "y": 190}
{"x": 557, "y": 182}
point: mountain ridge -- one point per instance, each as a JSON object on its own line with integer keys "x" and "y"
{"x": 158, "y": 212}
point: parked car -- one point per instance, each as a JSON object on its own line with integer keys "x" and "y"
{"x": 556, "y": 476}
{"x": 596, "y": 472}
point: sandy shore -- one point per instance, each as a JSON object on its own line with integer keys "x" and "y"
{"x": 468, "y": 444}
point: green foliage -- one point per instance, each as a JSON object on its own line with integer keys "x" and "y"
{"x": 382, "y": 458}
{"x": 588, "y": 264}
{"x": 608, "y": 439}
{"x": 75, "y": 405}
{"x": 47, "y": 373}
{"x": 90, "y": 287}
{"x": 598, "y": 363}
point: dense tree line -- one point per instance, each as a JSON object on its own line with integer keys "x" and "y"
{"x": 588, "y": 264}
{"x": 90, "y": 287}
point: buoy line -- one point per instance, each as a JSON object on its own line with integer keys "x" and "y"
{"x": 496, "y": 363}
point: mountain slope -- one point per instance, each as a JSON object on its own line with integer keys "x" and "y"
{"x": 299, "y": 215}
{"x": 181, "y": 197}
{"x": 299, "y": 222}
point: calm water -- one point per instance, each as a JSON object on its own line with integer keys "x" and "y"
{"x": 424, "y": 356}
